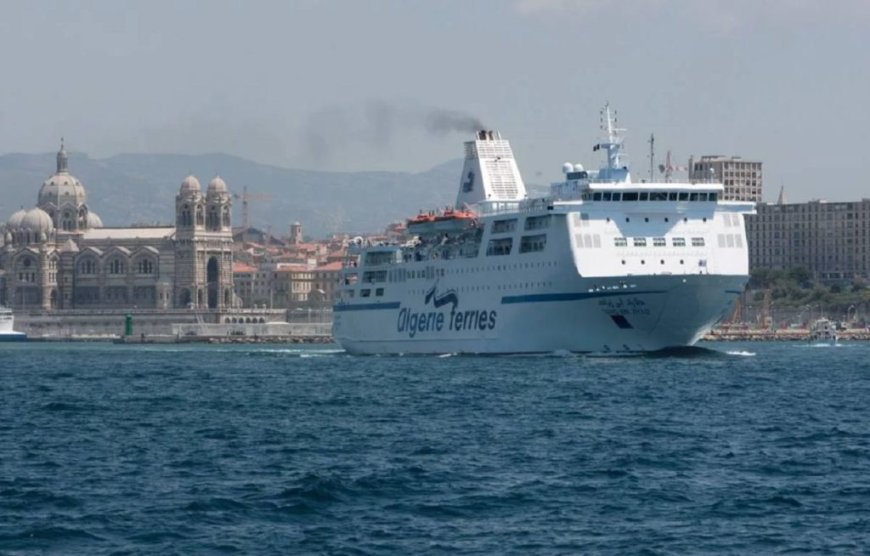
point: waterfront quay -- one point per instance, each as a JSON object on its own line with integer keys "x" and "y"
{"x": 148, "y": 325}
{"x": 746, "y": 334}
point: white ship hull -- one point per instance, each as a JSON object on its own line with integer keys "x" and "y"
{"x": 657, "y": 313}
{"x": 601, "y": 265}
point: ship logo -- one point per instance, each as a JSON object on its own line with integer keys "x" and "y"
{"x": 439, "y": 301}
{"x": 467, "y": 186}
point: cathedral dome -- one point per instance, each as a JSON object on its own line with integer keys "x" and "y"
{"x": 62, "y": 187}
{"x": 15, "y": 219}
{"x": 37, "y": 220}
{"x": 217, "y": 185}
{"x": 190, "y": 185}
{"x": 94, "y": 221}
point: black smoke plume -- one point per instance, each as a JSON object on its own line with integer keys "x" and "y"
{"x": 378, "y": 124}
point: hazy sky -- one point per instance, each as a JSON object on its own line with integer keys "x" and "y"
{"x": 354, "y": 84}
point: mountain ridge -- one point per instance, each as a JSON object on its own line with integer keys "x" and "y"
{"x": 136, "y": 188}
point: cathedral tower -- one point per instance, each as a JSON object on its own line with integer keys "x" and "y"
{"x": 204, "y": 246}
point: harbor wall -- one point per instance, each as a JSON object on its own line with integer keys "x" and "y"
{"x": 106, "y": 324}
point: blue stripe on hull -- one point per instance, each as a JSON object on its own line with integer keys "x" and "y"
{"x": 543, "y": 297}
{"x": 367, "y": 306}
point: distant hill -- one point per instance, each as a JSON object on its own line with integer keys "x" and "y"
{"x": 141, "y": 188}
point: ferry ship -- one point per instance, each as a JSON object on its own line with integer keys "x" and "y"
{"x": 599, "y": 265}
{"x": 7, "y": 320}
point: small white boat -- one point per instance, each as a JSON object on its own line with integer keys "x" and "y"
{"x": 7, "y": 320}
{"x": 823, "y": 331}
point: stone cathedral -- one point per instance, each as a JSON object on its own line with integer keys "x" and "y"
{"x": 58, "y": 255}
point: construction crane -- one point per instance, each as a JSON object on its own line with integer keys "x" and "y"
{"x": 247, "y": 198}
{"x": 668, "y": 168}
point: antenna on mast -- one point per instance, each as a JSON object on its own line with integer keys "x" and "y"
{"x": 652, "y": 156}
{"x": 613, "y": 144}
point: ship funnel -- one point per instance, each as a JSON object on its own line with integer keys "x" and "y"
{"x": 490, "y": 172}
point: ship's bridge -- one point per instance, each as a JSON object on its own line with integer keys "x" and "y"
{"x": 586, "y": 190}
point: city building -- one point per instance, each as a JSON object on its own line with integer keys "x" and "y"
{"x": 58, "y": 255}
{"x": 829, "y": 240}
{"x": 741, "y": 178}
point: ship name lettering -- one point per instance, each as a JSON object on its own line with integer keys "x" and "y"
{"x": 412, "y": 323}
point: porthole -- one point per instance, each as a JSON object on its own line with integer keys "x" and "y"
{"x": 646, "y": 219}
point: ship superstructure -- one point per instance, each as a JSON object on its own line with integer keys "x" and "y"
{"x": 601, "y": 264}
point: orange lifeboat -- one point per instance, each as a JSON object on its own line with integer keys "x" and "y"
{"x": 448, "y": 220}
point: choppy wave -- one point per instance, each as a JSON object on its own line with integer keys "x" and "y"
{"x": 305, "y": 449}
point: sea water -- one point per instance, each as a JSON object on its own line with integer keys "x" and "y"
{"x": 741, "y": 448}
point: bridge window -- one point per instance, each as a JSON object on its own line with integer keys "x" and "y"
{"x": 672, "y": 196}
{"x": 684, "y": 196}
{"x": 679, "y": 242}
{"x": 640, "y": 242}
{"x": 697, "y": 242}
{"x": 659, "y": 242}
{"x": 629, "y": 196}
{"x": 620, "y": 242}
{"x": 644, "y": 195}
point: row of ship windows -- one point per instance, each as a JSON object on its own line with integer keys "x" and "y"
{"x": 649, "y": 196}
{"x": 582, "y": 219}
{"x": 430, "y": 273}
{"x": 701, "y": 262}
{"x": 379, "y": 292}
{"x": 657, "y": 242}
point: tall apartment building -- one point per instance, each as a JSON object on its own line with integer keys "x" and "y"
{"x": 741, "y": 178}
{"x": 830, "y": 240}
